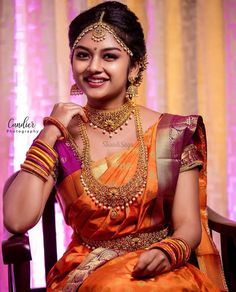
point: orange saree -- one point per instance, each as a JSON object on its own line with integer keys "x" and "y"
{"x": 106, "y": 244}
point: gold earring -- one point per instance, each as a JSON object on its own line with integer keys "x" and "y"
{"x": 132, "y": 90}
{"x": 75, "y": 90}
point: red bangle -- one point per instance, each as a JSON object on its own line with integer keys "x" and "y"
{"x": 58, "y": 124}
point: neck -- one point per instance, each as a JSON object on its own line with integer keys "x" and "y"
{"x": 107, "y": 104}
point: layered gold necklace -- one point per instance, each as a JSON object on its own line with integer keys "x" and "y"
{"x": 110, "y": 120}
{"x": 112, "y": 197}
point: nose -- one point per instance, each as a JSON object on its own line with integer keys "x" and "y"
{"x": 94, "y": 65}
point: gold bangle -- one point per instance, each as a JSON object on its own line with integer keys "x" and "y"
{"x": 52, "y": 150}
{"x": 58, "y": 124}
{"x": 42, "y": 155}
{"x": 31, "y": 155}
{"x": 35, "y": 167}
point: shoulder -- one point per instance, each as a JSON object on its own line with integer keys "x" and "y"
{"x": 149, "y": 117}
{"x": 180, "y": 125}
{"x": 188, "y": 121}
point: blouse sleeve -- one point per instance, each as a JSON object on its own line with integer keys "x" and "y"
{"x": 190, "y": 158}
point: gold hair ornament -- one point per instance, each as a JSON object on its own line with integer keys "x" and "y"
{"x": 133, "y": 83}
{"x": 142, "y": 67}
{"x": 98, "y": 30}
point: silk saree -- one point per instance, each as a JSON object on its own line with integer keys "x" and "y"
{"x": 95, "y": 260}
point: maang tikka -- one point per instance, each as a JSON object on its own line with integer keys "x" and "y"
{"x": 98, "y": 30}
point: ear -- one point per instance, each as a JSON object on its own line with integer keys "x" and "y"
{"x": 133, "y": 71}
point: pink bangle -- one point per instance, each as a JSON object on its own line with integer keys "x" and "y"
{"x": 58, "y": 124}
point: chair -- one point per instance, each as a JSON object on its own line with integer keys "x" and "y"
{"x": 16, "y": 248}
{"x": 17, "y": 255}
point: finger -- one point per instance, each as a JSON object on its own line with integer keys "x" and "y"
{"x": 82, "y": 113}
{"x": 75, "y": 110}
{"x": 159, "y": 264}
{"x": 162, "y": 268}
{"x": 149, "y": 269}
{"x": 144, "y": 260}
{"x": 70, "y": 106}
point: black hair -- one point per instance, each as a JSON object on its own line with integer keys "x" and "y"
{"x": 123, "y": 21}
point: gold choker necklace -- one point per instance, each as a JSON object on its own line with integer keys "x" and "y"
{"x": 110, "y": 120}
{"x": 111, "y": 197}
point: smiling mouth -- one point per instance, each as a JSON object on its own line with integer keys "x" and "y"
{"x": 95, "y": 81}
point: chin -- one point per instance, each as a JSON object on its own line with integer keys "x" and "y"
{"x": 95, "y": 95}
{"x": 98, "y": 94}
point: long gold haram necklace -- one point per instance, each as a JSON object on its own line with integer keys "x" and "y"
{"x": 111, "y": 197}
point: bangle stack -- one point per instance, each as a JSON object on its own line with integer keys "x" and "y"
{"x": 40, "y": 160}
{"x": 58, "y": 124}
{"x": 177, "y": 250}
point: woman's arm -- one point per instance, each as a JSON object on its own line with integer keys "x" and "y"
{"x": 27, "y": 195}
{"x": 186, "y": 209}
{"x": 24, "y": 200}
{"x": 186, "y": 224}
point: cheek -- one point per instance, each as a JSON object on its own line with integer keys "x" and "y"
{"x": 78, "y": 68}
{"x": 120, "y": 70}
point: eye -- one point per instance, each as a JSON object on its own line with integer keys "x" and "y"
{"x": 110, "y": 57}
{"x": 82, "y": 55}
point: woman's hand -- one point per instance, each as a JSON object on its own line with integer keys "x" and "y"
{"x": 151, "y": 263}
{"x": 65, "y": 111}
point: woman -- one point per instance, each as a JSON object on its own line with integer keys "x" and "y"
{"x": 124, "y": 173}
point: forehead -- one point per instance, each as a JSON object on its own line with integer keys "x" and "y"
{"x": 108, "y": 42}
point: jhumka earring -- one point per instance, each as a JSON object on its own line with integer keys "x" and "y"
{"x": 132, "y": 90}
{"x": 75, "y": 90}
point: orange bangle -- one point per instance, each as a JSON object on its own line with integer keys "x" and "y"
{"x": 33, "y": 170}
{"x": 35, "y": 167}
{"x": 58, "y": 124}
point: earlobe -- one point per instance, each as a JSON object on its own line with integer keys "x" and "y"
{"x": 132, "y": 90}
{"x": 133, "y": 71}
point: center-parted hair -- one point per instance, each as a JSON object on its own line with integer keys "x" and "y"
{"x": 123, "y": 21}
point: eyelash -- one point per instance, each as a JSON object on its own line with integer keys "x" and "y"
{"x": 110, "y": 56}
{"x": 85, "y": 56}
{"x": 82, "y": 55}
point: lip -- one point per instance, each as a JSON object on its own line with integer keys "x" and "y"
{"x": 95, "y": 82}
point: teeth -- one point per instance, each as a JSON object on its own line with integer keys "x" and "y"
{"x": 96, "y": 80}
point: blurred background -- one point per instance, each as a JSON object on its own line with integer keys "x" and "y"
{"x": 191, "y": 47}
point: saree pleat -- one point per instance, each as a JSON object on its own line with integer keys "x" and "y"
{"x": 150, "y": 212}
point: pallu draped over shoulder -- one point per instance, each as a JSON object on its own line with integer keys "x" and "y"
{"x": 106, "y": 243}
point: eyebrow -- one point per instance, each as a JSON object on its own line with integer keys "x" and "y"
{"x": 105, "y": 49}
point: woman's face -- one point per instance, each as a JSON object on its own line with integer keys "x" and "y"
{"x": 101, "y": 69}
